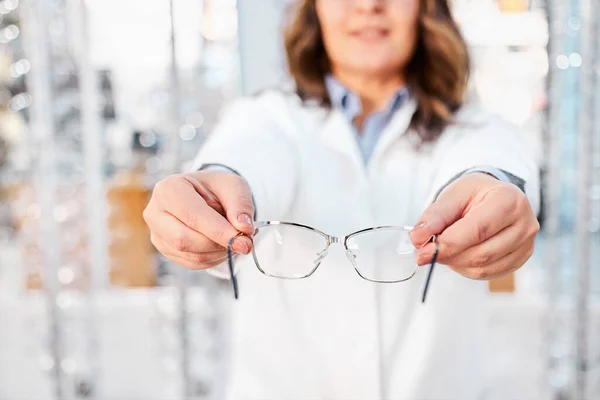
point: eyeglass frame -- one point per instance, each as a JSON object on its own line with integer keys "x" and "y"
{"x": 330, "y": 240}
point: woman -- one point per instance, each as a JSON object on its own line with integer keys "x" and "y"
{"x": 376, "y": 134}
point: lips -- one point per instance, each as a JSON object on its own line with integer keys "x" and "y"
{"x": 370, "y": 33}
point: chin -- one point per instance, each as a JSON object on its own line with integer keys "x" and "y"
{"x": 373, "y": 67}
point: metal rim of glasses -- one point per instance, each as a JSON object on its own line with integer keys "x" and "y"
{"x": 329, "y": 241}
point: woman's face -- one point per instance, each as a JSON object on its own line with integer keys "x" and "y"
{"x": 368, "y": 36}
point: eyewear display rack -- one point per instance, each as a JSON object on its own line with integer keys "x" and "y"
{"x": 63, "y": 212}
{"x": 572, "y": 199}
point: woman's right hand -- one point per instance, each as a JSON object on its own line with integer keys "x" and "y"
{"x": 193, "y": 216}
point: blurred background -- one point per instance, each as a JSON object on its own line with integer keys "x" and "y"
{"x": 99, "y": 99}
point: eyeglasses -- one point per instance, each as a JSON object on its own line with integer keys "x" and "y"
{"x": 286, "y": 250}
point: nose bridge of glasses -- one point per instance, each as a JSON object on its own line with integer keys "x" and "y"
{"x": 335, "y": 239}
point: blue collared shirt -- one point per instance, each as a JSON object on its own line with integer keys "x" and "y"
{"x": 349, "y": 103}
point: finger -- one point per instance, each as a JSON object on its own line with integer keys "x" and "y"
{"x": 191, "y": 209}
{"x": 506, "y": 265}
{"x": 180, "y": 237}
{"x": 188, "y": 260}
{"x": 205, "y": 259}
{"x": 442, "y": 213}
{"x": 236, "y": 199}
{"x": 490, "y": 250}
{"x": 186, "y": 240}
{"x": 200, "y": 260}
{"x": 481, "y": 223}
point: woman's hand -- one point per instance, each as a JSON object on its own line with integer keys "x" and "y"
{"x": 486, "y": 228}
{"x": 193, "y": 216}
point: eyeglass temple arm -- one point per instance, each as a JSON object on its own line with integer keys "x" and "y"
{"x": 234, "y": 281}
{"x": 431, "y": 267}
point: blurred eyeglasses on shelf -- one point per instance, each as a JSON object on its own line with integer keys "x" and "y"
{"x": 286, "y": 250}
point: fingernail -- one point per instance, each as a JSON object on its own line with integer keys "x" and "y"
{"x": 245, "y": 219}
{"x": 241, "y": 246}
{"x": 420, "y": 226}
{"x": 422, "y": 262}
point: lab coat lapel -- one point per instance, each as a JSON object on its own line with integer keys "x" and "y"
{"x": 396, "y": 128}
{"x": 339, "y": 135}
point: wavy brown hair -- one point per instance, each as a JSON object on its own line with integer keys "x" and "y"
{"x": 437, "y": 73}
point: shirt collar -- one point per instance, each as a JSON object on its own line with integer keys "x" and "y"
{"x": 349, "y": 102}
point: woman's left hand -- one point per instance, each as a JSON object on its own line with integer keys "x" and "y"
{"x": 485, "y": 228}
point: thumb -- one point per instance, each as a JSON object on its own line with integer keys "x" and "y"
{"x": 446, "y": 210}
{"x": 235, "y": 197}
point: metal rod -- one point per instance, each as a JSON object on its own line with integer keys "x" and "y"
{"x": 93, "y": 149}
{"x": 594, "y": 386}
{"x": 584, "y": 205}
{"x": 172, "y": 163}
{"x": 171, "y": 152}
{"x": 555, "y": 14}
{"x": 35, "y": 24}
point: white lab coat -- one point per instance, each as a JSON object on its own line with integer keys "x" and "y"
{"x": 335, "y": 335}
